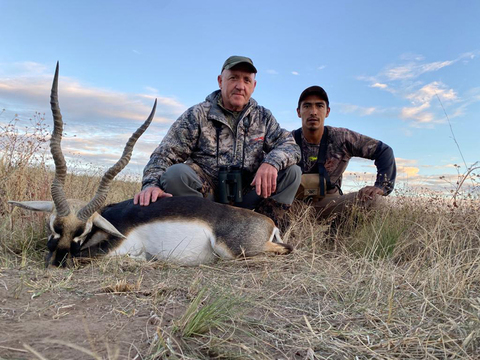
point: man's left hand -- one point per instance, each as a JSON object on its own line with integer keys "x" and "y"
{"x": 265, "y": 180}
{"x": 369, "y": 192}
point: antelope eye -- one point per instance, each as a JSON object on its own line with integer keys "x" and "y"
{"x": 57, "y": 229}
{"x": 78, "y": 232}
{"x": 52, "y": 243}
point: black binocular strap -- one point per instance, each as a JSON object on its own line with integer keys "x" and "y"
{"x": 218, "y": 127}
{"x": 321, "y": 158}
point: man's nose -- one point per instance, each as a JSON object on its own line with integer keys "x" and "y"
{"x": 240, "y": 85}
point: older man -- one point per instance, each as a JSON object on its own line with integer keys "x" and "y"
{"x": 326, "y": 151}
{"x": 229, "y": 131}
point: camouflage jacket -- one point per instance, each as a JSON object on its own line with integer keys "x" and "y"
{"x": 192, "y": 139}
{"x": 342, "y": 145}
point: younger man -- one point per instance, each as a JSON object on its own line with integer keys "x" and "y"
{"x": 326, "y": 151}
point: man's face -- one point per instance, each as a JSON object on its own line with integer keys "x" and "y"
{"x": 313, "y": 111}
{"x": 237, "y": 87}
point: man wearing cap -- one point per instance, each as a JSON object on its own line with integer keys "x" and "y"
{"x": 326, "y": 151}
{"x": 228, "y": 130}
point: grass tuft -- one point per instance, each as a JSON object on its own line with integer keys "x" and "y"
{"x": 205, "y": 312}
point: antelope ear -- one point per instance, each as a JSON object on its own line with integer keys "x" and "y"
{"x": 46, "y": 206}
{"x": 105, "y": 225}
{"x": 96, "y": 238}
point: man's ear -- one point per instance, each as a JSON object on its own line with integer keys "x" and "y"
{"x": 298, "y": 113}
{"x": 219, "y": 79}
{"x": 328, "y": 112}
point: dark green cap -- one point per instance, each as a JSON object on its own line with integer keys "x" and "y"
{"x": 235, "y": 60}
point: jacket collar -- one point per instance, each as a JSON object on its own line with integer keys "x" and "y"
{"x": 218, "y": 114}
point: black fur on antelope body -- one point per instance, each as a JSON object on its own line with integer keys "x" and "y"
{"x": 241, "y": 231}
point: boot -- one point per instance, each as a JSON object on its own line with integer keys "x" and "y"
{"x": 275, "y": 211}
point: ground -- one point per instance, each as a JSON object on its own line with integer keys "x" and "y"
{"x": 111, "y": 310}
{"x": 398, "y": 284}
{"x": 300, "y": 306}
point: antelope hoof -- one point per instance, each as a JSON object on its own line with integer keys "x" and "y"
{"x": 278, "y": 248}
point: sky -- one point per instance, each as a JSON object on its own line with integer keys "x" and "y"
{"x": 406, "y": 73}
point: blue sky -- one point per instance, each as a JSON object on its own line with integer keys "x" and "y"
{"x": 385, "y": 65}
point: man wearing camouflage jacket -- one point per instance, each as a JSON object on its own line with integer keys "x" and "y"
{"x": 326, "y": 152}
{"x": 228, "y": 129}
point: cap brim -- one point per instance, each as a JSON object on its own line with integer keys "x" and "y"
{"x": 247, "y": 64}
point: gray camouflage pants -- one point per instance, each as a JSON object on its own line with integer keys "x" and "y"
{"x": 182, "y": 180}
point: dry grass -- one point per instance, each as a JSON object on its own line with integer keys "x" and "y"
{"x": 401, "y": 283}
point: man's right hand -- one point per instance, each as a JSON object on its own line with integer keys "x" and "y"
{"x": 148, "y": 195}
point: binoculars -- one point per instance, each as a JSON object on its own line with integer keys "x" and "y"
{"x": 230, "y": 184}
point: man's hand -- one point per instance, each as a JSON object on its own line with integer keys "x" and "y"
{"x": 150, "y": 194}
{"x": 265, "y": 180}
{"x": 369, "y": 192}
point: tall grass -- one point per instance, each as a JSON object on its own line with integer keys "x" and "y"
{"x": 26, "y": 175}
{"x": 402, "y": 282}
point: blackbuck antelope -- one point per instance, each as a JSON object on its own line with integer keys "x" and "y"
{"x": 183, "y": 230}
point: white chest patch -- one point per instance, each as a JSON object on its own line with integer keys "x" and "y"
{"x": 179, "y": 242}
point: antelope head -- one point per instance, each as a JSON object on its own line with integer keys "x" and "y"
{"x": 71, "y": 220}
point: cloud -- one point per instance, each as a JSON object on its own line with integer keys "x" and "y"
{"x": 105, "y": 150}
{"x": 405, "y": 80}
{"x": 84, "y": 104}
{"x": 405, "y": 162}
{"x": 417, "y": 113}
{"x": 410, "y": 171}
{"x": 411, "y": 56}
{"x": 98, "y": 121}
{"x": 272, "y": 72}
{"x": 470, "y": 97}
{"x": 421, "y": 100}
{"x": 151, "y": 89}
{"x": 413, "y": 70}
{"x": 295, "y": 73}
{"x": 430, "y": 91}
{"x": 321, "y": 67}
{"x": 409, "y": 176}
{"x": 408, "y": 167}
{"x": 358, "y": 110}
{"x": 22, "y": 69}
{"x": 404, "y": 74}
{"x": 378, "y": 85}
{"x": 413, "y": 67}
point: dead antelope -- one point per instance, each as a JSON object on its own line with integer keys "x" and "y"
{"x": 183, "y": 230}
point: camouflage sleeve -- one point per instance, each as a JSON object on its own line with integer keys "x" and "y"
{"x": 366, "y": 147}
{"x": 280, "y": 146}
{"x": 386, "y": 168}
{"x": 175, "y": 147}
